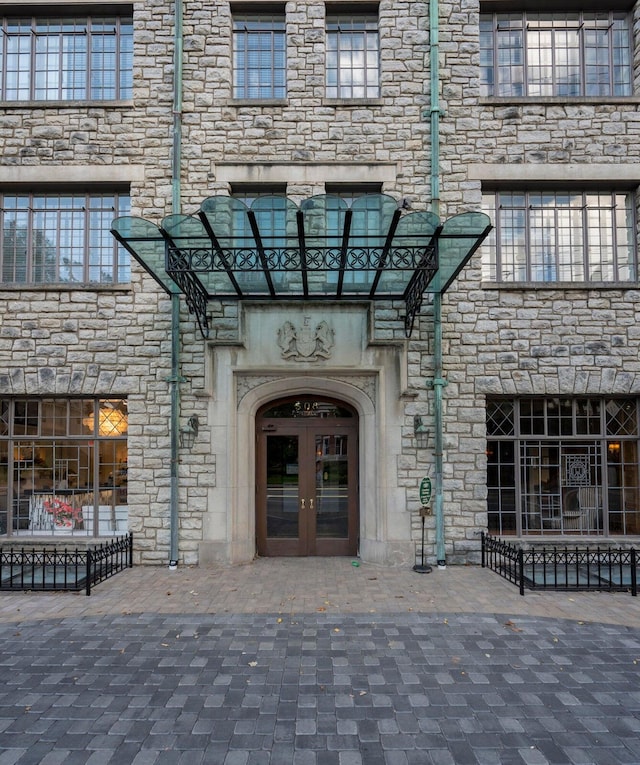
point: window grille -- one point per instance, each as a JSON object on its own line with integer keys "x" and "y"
{"x": 63, "y": 466}
{"x": 563, "y": 466}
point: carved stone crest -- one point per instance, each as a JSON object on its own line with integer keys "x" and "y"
{"x": 306, "y": 343}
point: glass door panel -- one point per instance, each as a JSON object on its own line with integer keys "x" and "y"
{"x": 283, "y": 474}
{"x": 332, "y": 486}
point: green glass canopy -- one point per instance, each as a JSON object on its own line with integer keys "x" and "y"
{"x": 322, "y": 249}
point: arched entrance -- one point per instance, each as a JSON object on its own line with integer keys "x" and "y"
{"x": 307, "y": 477}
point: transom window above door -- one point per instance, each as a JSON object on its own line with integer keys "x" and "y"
{"x": 555, "y": 54}
{"x": 66, "y": 58}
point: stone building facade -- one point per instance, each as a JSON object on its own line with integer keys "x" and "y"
{"x": 539, "y": 330}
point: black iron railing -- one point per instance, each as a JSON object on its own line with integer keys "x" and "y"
{"x": 562, "y": 568}
{"x": 55, "y": 569}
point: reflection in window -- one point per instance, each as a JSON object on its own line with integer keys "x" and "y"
{"x": 61, "y": 238}
{"x": 353, "y": 56}
{"x": 63, "y": 467}
{"x": 566, "y": 236}
{"x": 555, "y": 54}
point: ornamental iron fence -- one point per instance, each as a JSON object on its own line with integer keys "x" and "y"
{"x": 53, "y": 569}
{"x": 562, "y": 568}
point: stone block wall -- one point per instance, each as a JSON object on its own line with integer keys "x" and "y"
{"x": 511, "y": 341}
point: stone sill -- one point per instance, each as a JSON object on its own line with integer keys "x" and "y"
{"x": 128, "y": 104}
{"x": 259, "y": 102}
{"x": 345, "y": 102}
{"x": 557, "y": 286}
{"x": 557, "y": 100}
{"x": 61, "y": 287}
{"x": 338, "y": 102}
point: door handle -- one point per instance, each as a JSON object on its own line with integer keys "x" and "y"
{"x": 311, "y": 504}
{"x": 302, "y": 504}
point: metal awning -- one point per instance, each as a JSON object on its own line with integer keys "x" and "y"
{"x": 322, "y": 249}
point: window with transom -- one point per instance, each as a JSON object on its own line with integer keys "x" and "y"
{"x": 259, "y": 55}
{"x": 541, "y": 54}
{"x": 563, "y": 465}
{"x": 61, "y": 238}
{"x": 63, "y": 466}
{"x": 66, "y": 58}
{"x": 353, "y": 54}
{"x": 560, "y": 236}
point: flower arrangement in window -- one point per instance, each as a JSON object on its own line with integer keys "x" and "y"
{"x": 64, "y": 515}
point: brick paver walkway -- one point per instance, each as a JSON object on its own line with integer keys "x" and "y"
{"x": 318, "y": 662}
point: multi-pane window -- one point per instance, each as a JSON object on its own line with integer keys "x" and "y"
{"x": 66, "y": 58}
{"x": 63, "y": 466}
{"x": 53, "y": 238}
{"x": 353, "y": 55}
{"x": 563, "y": 466}
{"x": 259, "y": 55}
{"x": 555, "y": 54}
{"x": 569, "y": 236}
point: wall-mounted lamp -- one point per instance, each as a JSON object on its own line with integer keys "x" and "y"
{"x": 421, "y": 432}
{"x": 189, "y": 433}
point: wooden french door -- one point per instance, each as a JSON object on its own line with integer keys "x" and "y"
{"x": 306, "y": 487}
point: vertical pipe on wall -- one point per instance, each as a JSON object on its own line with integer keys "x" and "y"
{"x": 176, "y": 204}
{"x": 438, "y": 381}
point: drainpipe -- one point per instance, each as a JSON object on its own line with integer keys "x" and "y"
{"x": 438, "y": 381}
{"x": 175, "y": 379}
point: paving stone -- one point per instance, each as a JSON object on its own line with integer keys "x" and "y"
{"x": 448, "y": 688}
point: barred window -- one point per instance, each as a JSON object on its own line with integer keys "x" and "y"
{"x": 353, "y": 55}
{"x": 567, "y": 236}
{"x": 64, "y": 59}
{"x": 62, "y": 238}
{"x": 555, "y": 54}
{"x": 259, "y": 55}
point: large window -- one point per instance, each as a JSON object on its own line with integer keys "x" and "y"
{"x": 259, "y": 55}
{"x": 563, "y": 466}
{"x": 66, "y": 58}
{"x": 61, "y": 238}
{"x": 63, "y": 466}
{"x": 353, "y": 55}
{"x": 567, "y": 236}
{"x": 555, "y": 54}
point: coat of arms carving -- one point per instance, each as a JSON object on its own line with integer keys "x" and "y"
{"x": 306, "y": 343}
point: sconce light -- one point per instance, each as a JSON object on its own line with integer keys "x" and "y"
{"x": 189, "y": 433}
{"x": 421, "y": 432}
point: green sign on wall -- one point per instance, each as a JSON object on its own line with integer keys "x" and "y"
{"x": 425, "y": 491}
